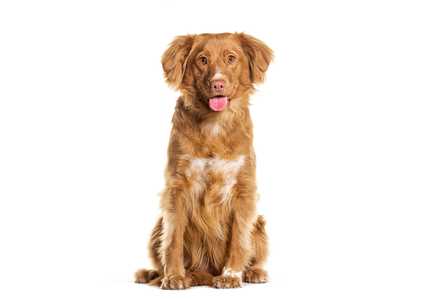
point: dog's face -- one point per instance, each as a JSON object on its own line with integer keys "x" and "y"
{"x": 215, "y": 69}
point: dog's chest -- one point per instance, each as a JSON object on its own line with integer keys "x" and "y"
{"x": 214, "y": 178}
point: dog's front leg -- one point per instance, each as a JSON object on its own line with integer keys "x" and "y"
{"x": 173, "y": 226}
{"x": 240, "y": 250}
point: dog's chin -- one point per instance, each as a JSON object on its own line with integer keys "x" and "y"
{"x": 218, "y": 103}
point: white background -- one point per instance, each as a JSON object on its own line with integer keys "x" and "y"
{"x": 339, "y": 134}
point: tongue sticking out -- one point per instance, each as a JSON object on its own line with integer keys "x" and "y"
{"x": 218, "y": 103}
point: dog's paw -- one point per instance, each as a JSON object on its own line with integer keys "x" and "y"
{"x": 145, "y": 276}
{"x": 227, "y": 282}
{"x": 255, "y": 275}
{"x": 175, "y": 282}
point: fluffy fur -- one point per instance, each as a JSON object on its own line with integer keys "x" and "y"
{"x": 209, "y": 232}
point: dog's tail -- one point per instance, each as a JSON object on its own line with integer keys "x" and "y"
{"x": 201, "y": 278}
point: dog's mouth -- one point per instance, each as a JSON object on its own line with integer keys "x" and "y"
{"x": 218, "y": 103}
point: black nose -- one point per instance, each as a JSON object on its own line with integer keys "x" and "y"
{"x": 217, "y": 86}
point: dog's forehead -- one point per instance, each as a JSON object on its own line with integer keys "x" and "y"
{"x": 219, "y": 43}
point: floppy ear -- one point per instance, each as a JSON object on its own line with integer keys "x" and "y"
{"x": 259, "y": 56}
{"x": 174, "y": 59}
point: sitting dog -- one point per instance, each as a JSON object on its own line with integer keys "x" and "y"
{"x": 209, "y": 232}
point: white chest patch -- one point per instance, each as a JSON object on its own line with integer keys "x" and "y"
{"x": 228, "y": 169}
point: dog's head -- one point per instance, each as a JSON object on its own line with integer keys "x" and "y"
{"x": 215, "y": 70}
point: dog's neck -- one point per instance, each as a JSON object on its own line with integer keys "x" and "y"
{"x": 217, "y": 133}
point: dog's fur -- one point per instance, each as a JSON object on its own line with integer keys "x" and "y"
{"x": 209, "y": 232}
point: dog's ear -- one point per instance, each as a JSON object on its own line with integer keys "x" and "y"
{"x": 174, "y": 59}
{"x": 259, "y": 56}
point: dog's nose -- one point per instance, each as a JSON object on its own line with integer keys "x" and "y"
{"x": 217, "y": 86}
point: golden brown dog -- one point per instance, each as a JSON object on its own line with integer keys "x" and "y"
{"x": 209, "y": 232}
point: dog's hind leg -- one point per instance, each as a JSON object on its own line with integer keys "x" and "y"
{"x": 255, "y": 273}
{"x": 145, "y": 276}
{"x": 153, "y": 276}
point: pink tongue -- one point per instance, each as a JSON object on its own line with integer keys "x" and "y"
{"x": 218, "y": 103}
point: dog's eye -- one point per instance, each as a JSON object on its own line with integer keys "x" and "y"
{"x": 231, "y": 59}
{"x": 204, "y": 60}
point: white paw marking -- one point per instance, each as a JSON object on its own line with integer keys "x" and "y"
{"x": 232, "y": 273}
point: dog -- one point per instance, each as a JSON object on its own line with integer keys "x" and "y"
{"x": 209, "y": 232}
